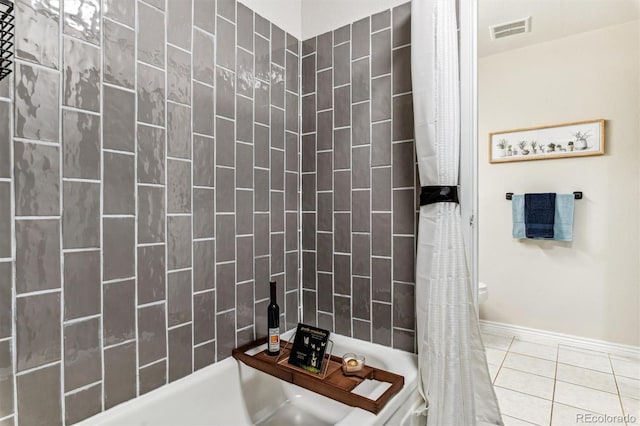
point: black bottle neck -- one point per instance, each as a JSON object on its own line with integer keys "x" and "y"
{"x": 272, "y": 285}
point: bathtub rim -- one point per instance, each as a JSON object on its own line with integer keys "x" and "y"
{"x": 406, "y": 365}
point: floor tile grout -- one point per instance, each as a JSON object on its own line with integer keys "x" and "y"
{"x": 555, "y": 378}
{"x": 555, "y": 381}
{"x": 615, "y": 379}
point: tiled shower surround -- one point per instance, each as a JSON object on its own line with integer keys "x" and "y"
{"x": 359, "y": 181}
{"x": 150, "y": 187}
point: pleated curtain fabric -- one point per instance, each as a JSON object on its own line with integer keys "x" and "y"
{"x": 454, "y": 375}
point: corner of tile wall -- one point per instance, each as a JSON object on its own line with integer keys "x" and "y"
{"x": 359, "y": 220}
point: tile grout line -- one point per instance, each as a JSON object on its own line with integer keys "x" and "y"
{"x": 152, "y": 363}
{"x": 315, "y": 189}
{"x": 371, "y": 106}
{"x": 349, "y": 86}
{"x": 615, "y": 379}
{"x": 136, "y": 206}
{"x": 253, "y": 129}
{"x": 235, "y": 175}
{"x": 38, "y": 368}
{"x": 300, "y": 310}
{"x": 215, "y": 185}
{"x": 82, "y": 388}
{"x": 206, "y": 342}
{"x": 61, "y": 75}
{"x": 114, "y": 85}
{"x": 392, "y": 197}
{"x": 26, "y": 62}
{"x": 12, "y": 190}
{"x": 165, "y": 160}
{"x": 101, "y": 337}
{"x": 501, "y": 362}
{"x": 192, "y": 242}
{"x": 555, "y": 379}
{"x": 270, "y": 102}
{"x": 78, "y": 109}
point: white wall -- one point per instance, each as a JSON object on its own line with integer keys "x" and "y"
{"x": 287, "y": 14}
{"x": 320, "y": 16}
{"x": 591, "y": 286}
{"x": 309, "y": 18}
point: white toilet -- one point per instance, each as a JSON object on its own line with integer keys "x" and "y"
{"x": 483, "y": 293}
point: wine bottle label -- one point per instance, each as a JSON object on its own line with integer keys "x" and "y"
{"x": 274, "y": 340}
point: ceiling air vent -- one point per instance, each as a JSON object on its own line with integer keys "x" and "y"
{"x": 510, "y": 28}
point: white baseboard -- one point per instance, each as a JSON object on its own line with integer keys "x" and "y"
{"x": 543, "y": 336}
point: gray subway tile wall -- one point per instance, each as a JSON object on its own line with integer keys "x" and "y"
{"x": 119, "y": 120}
{"x": 161, "y": 162}
{"x": 153, "y": 376}
{"x": 82, "y": 354}
{"x": 149, "y": 188}
{"x": 37, "y": 248}
{"x": 358, "y": 180}
{"x": 39, "y": 396}
{"x": 119, "y": 54}
{"x": 178, "y": 75}
{"x": 83, "y": 22}
{"x": 83, "y": 404}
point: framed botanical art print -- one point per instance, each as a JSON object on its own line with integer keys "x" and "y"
{"x": 577, "y": 139}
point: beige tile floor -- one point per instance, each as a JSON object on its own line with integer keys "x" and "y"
{"x": 555, "y": 384}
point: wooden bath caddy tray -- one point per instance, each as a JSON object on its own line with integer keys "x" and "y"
{"x": 334, "y": 385}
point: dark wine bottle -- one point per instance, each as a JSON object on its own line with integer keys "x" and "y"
{"x": 273, "y": 323}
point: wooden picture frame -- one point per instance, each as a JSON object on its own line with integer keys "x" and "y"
{"x": 576, "y": 139}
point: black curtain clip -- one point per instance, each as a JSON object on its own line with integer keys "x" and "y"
{"x": 439, "y": 194}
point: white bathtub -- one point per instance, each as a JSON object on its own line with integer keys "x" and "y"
{"x": 231, "y": 393}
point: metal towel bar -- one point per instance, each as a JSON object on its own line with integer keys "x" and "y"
{"x": 576, "y": 194}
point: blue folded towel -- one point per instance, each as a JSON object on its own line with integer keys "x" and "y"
{"x": 539, "y": 215}
{"x": 517, "y": 215}
{"x": 563, "y": 220}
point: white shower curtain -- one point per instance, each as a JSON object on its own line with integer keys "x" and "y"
{"x": 453, "y": 369}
